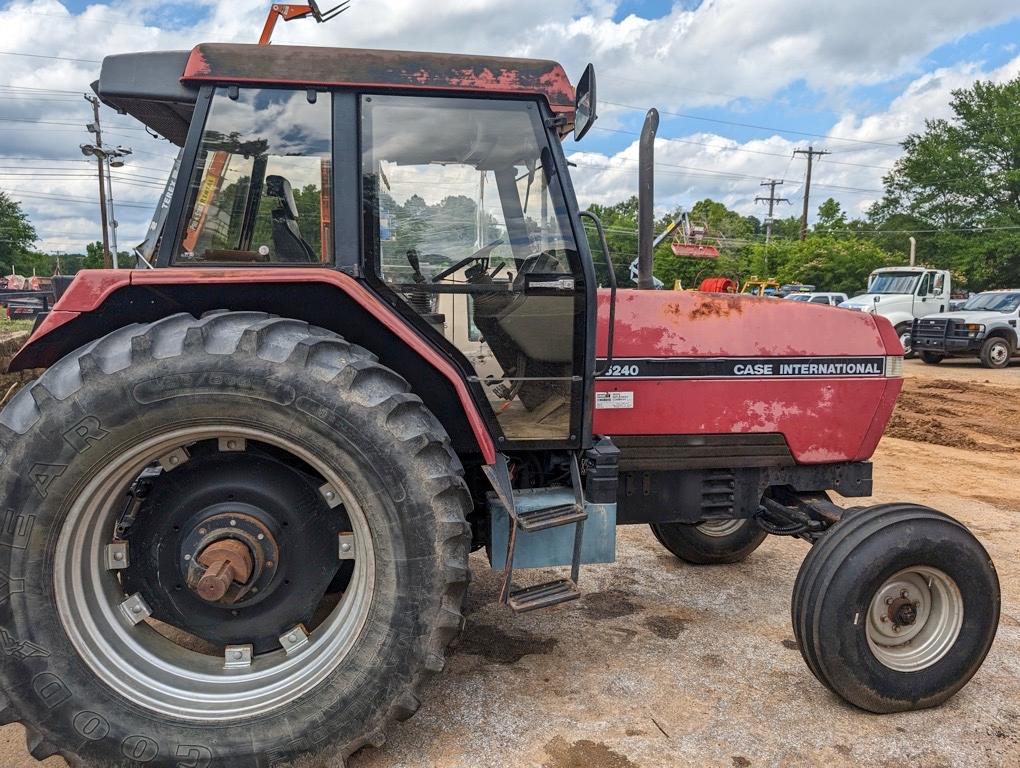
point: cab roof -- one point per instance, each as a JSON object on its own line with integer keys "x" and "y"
{"x": 160, "y": 88}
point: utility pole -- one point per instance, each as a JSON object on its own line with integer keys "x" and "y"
{"x": 811, "y": 153}
{"x": 771, "y": 200}
{"x": 96, "y": 150}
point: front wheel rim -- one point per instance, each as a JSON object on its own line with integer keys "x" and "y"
{"x": 914, "y": 618}
{"x": 720, "y": 529}
{"x": 144, "y": 666}
{"x": 999, "y": 354}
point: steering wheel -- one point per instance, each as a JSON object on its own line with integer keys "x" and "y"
{"x": 482, "y": 254}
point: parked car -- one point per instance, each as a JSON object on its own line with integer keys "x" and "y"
{"x": 832, "y": 299}
{"x": 985, "y": 327}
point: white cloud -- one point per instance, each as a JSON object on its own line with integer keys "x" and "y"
{"x": 730, "y": 171}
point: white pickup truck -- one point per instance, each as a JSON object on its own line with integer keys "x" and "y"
{"x": 902, "y": 294}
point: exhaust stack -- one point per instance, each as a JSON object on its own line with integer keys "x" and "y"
{"x": 646, "y": 199}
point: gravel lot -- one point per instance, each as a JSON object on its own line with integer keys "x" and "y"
{"x": 663, "y": 664}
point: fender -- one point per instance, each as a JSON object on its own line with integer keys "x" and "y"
{"x": 100, "y": 301}
{"x": 1009, "y": 334}
{"x": 897, "y": 318}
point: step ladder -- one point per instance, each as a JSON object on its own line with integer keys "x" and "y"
{"x": 551, "y": 592}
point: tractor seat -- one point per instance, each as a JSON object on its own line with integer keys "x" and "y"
{"x": 288, "y": 245}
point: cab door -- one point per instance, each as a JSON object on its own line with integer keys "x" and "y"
{"x": 930, "y": 297}
{"x": 470, "y": 225}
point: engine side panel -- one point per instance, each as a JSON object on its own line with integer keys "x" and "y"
{"x": 690, "y": 363}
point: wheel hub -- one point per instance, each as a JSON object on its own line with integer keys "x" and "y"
{"x": 914, "y": 618}
{"x": 229, "y": 557}
{"x": 235, "y": 548}
{"x": 903, "y": 612}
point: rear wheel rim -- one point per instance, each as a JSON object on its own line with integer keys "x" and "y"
{"x": 148, "y": 669}
{"x": 720, "y": 529}
{"x": 914, "y": 618}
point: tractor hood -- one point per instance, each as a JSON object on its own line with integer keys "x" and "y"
{"x": 866, "y": 302}
{"x": 816, "y": 384}
{"x": 696, "y": 324}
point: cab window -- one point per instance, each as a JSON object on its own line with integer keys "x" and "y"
{"x": 260, "y": 192}
{"x": 924, "y": 288}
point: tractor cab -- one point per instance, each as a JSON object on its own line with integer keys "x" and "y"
{"x": 438, "y": 180}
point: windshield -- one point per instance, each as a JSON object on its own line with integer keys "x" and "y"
{"x": 799, "y": 297}
{"x": 994, "y": 302}
{"x": 894, "y": 282}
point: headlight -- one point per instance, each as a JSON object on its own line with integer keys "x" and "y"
{"x": 974, "y": 328}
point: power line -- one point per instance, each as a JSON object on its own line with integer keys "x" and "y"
{"x": 755, "y": 126}
{"x": 69, "y": 198}
{"x": 76, "y": 19}
{"x": 710, "y": 173}
{"x": 710, "y": 145}
{"x": 42, "y": 56}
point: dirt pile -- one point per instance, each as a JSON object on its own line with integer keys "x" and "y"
{"x": 958, "y": 414}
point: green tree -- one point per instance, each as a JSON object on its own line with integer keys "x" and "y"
{"x": 830, "y": 216}
{"x": 829, "y": 262}
{"x": 93, "y": 256}
{"x": 17, "y": 235}
{"x": 959, "y": 183}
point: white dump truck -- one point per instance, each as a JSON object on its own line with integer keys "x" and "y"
{"x": 902, "y": 294}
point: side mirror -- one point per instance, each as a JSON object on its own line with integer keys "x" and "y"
{"x": 584, "y": 103}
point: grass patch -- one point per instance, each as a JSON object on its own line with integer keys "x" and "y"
{"x": 12, "y": 326}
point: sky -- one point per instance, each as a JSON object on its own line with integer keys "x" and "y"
{"x": 740, "y": 84}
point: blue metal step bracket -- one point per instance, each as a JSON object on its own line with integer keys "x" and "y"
{"x": 551, "y": 547}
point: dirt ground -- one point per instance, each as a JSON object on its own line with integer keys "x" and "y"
{"x": 663, "y": 664}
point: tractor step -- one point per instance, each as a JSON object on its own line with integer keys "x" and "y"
{"x": 550, "y": 517}
{"x": 543, "y": 595}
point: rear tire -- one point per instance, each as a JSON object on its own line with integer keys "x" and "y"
{"x": 711, "y": 543}
{"x": 285, "y": 388}
{"x": 896, "y": 608}
{"x": 932, "y": 358}
{"x": 995, "y": 353}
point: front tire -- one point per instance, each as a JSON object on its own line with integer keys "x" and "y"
{"x": 995, "y": 353}
{"x": 932, "y": 358}
{"x": 896, "y": 608}
{"x": 713, "y": 542}
{"x": 905, "y": 332}
{"x": 327, "y": 433}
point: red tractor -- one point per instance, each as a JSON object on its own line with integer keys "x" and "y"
{"x": 241, "y": 498}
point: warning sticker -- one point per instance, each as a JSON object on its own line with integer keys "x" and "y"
{"x": 608, "y": 400}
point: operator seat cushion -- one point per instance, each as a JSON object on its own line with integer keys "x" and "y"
{"x": 288, "y": 245}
